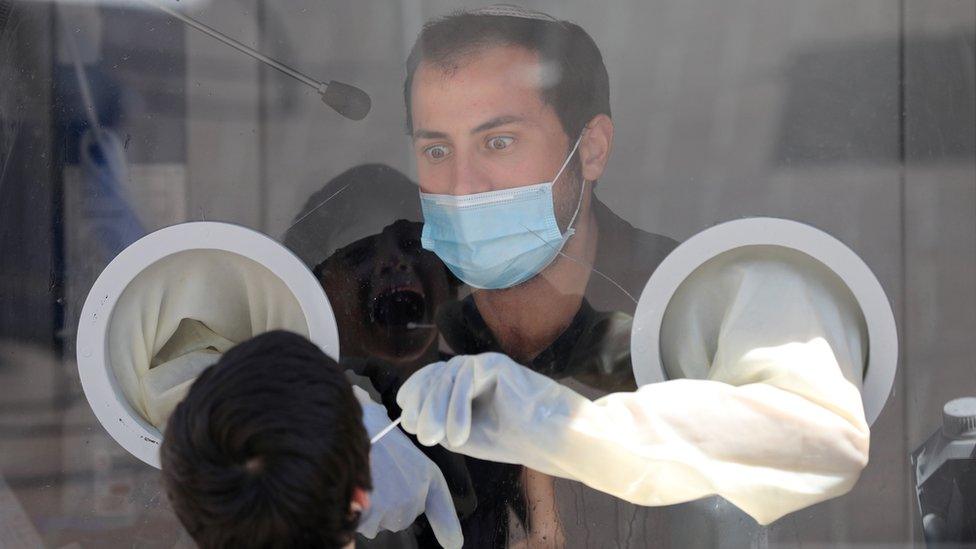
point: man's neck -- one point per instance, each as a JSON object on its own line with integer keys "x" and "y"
{"x": 527, "y": 318}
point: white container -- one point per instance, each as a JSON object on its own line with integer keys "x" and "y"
{"x": 761, "y": 231}
{"x": 98, "y": 378}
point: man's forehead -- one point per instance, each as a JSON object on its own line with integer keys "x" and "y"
{"x": 508, "y": 65}
{"x": 504, "y": 81}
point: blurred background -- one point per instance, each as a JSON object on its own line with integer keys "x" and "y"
{"x": 856, "y": 117}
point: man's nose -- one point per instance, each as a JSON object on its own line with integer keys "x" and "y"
{"x": 470, "y": 176}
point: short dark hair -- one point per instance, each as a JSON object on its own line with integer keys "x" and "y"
{"x": 582, "y": 89}
{"x": 267, "y": 448}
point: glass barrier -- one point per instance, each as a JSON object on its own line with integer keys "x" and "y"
{"x": 503, "y": 180}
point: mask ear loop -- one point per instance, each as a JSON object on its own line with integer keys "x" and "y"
{"x": 570, "y": 156}
{"x": 570, "y": 231}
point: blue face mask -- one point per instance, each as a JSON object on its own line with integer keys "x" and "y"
{"x": 496, "y": 239}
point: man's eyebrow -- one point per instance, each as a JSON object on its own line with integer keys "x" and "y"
{"x": 495, "y": 122}
{"x": 428, "y": 134}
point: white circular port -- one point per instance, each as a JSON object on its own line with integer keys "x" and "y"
{"x": 705, "y": 246}
{"x": 228, "y": 278}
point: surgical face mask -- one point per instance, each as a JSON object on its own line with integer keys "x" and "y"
{"x": 496, "y": 239}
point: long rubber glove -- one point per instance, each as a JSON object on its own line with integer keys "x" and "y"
{"x": 778, "y": 426}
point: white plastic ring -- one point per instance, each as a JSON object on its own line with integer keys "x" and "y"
{"x": 103, "y": 392}
{"x": 763, "y": 231}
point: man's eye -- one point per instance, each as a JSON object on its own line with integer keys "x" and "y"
{"x": 500, "y": 143}
{"x": 436, "y": 152}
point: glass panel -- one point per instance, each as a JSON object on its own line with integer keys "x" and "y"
{"x": 518, "y": 204}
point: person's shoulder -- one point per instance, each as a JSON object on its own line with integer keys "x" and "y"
{"x": 625, "y": 247}
{"x": 655, "y": 246}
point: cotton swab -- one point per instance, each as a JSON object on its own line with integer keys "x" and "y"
{"x": 385, "y": 430}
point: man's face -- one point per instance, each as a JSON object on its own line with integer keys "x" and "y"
{"x": 481, "y": 125}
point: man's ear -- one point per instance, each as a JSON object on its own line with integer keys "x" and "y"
{"x": 594, "y": 148}
{"x": 360, "y": 501}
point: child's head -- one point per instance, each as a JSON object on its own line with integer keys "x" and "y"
{"x": 268, "y": 449}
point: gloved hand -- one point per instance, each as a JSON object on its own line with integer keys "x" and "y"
{"x": 405, "y": 483}
{"x": 489, "y": 407}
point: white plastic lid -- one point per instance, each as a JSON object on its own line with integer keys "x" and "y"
{"x": 763, "y": 231}
{"x": 98, "y": 381}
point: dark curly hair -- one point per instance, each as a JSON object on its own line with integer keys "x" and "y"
{"x": 267, "y": 449}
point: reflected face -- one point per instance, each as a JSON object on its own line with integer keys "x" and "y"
{"x": 481, "y": 124}
{"x": 381, "y": 288}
